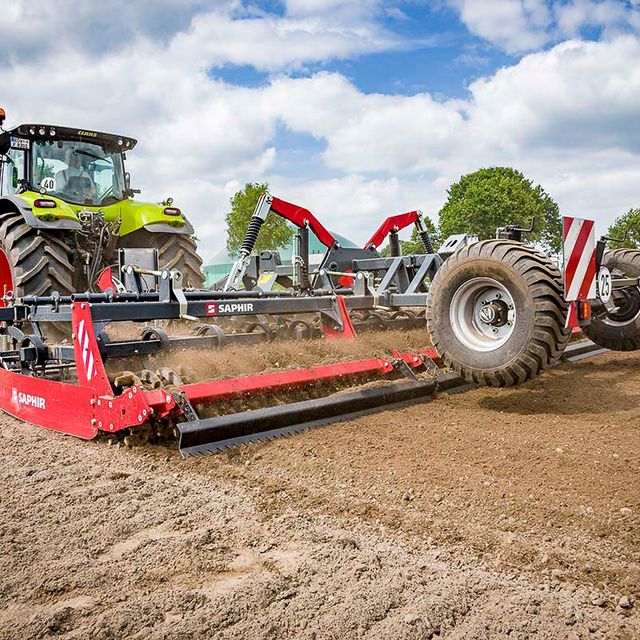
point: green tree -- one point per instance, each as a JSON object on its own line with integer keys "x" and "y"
{"x": 481, "y": 202}
{"x": 628, "y": 223}
{"x": 275, "y": 232}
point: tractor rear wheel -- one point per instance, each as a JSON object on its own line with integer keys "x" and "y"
{"x": 496, "y": 313}
{"x": 175, "y": 251}
{"x": 620, "y": 331}
{"x": 33, "y": 262}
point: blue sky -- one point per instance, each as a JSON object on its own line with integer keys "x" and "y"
{"x": 355, "y": 109}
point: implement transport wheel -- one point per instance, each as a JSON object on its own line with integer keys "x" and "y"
{"x": 496, "y": 313}
{"x": 32, "y": 262}
{"x": 175, "y": 251}
{"x": 620, "y": 331}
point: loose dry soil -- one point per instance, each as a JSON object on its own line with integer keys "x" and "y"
{"x": 496, "y": 513}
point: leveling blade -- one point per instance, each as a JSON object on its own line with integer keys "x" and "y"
{"x": 225, "y": 432}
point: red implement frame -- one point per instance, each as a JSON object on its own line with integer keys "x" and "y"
{"x": 203, "y": 392}
{"x": 302, "y": 217}
{"x": 84, "y": 408}
{"x": 392, "y": 223}
{"x": 77, "y": 409}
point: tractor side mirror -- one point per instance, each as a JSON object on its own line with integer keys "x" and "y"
{"x": 127, "y": 185}
{"x": 5, "y": 143}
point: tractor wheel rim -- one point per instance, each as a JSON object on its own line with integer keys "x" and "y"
{"x": 628, "y": 313}
{"x": 6, "y": 277}
{"x": 482, "y": 314}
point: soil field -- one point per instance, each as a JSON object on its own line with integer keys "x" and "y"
{"x": 495, "y": 513}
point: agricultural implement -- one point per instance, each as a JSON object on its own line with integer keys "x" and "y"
{"x": 498, "y": 313}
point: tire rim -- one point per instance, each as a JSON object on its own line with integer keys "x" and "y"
{"x": 482, "y": 314}
{"x": 6, "y": 277}
{"x": 628, "y": 312}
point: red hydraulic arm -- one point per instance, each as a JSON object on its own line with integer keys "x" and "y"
{"x": 301, "y": 217}
{"x": 392, "y": 223}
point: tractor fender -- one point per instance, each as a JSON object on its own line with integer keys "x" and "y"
{"x": 151, "y": 217}
{"x": 15, "y": 204}
{"x": 160, "y": 227}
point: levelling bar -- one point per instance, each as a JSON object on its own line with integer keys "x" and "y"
{"x": 210, "y": 435}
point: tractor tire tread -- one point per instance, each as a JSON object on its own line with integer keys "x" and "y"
{"x": 40, "y": 260}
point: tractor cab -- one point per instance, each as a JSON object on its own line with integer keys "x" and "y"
{"x": 67, "y": 206}
{"x": 84, "y": 168}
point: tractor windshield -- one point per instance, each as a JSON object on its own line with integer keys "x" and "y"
{"x": 78, "y": 172}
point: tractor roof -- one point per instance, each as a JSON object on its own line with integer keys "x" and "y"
{"x": 53, "y": 132}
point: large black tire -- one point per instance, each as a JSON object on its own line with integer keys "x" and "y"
{"x": 175, "y": 251}
{"x": 620, "y": 331}
{"x": 37, "y": 262}
{"x": 524, "y": 293}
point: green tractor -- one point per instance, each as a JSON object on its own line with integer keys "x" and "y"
{"x": 66, "y": 206}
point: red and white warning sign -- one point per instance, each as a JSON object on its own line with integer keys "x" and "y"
{"x": 579, "y": 259}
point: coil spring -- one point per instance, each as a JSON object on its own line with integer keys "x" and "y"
{"x": 426, "y": 241}
{"x": 304, "y": 275}
{"x": 251, "y": 236}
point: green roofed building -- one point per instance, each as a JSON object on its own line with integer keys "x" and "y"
{"x": 220, "y": 265}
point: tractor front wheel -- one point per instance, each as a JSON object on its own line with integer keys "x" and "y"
{"x": 496, "y": 313}
{"x": 175, "y": 251}
{"x": 33, "y": 262}
{"x": 620, "y": 331}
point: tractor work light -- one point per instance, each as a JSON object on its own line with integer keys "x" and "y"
{"x": 42, "y": 203}
{"x": 172, "y": 211}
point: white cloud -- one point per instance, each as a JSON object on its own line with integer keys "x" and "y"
{"x": 574, "y": 15}
{"x": 211, "y": 32}
{"x": 519, "y": 26}
{"x": 271, "y": 43}
{"x": 567, "y": 117}
{"x": 514, "y": 25}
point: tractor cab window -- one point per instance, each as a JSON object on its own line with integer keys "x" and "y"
{"x": 78, "y": 172}
{"x": 13, "y": 171}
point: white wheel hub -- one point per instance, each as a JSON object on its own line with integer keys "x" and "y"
{"x": 482, "y": 314}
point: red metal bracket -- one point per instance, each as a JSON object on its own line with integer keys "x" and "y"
{"x": 392, "y": 223}
{"x": 348, "y": 330}
{"x": 301, "y": 217}
{"x": 91, "y": 371}
{"x": 129, "y": 409}
{"x": 432, "y": 354}
{"x": 105, "y": 280}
